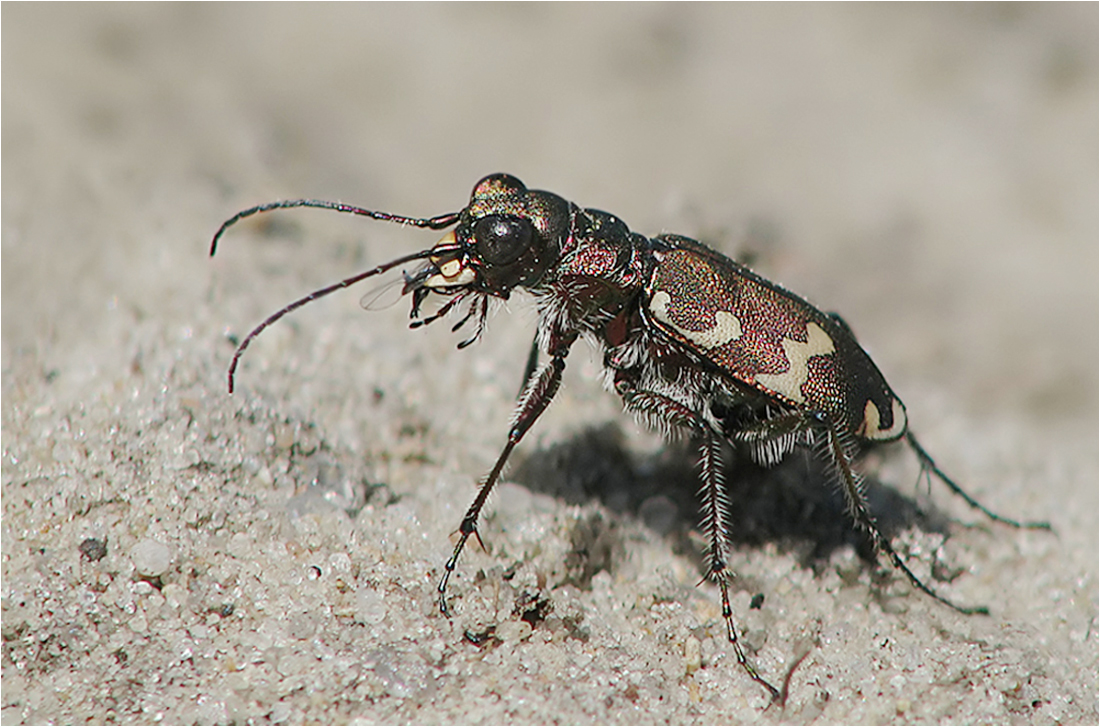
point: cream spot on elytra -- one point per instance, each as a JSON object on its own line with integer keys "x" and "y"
{"x": 872, "y": 422}
{"x": 789, "y": 383}
{"x": 726, "y": 327}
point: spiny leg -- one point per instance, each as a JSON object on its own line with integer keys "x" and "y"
{"x": 715, "y": 516}
{"x": 839, "y": 452}
{"x": 715, "y": 502}
{"x": 771, "y": 439}
{"x": 929, "y": 465}
{"x": 531, "y": 366}
{"x": 533, "y": 403}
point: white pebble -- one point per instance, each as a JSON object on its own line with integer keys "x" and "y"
{"x": 370, "y": 606}
{"x": 151, "y": 558}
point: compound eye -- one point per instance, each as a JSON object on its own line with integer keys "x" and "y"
{"x": 502, "y": 240}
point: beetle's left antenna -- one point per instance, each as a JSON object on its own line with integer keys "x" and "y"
{"x": 431, "y": 223}
{"x": 312, "y": 297}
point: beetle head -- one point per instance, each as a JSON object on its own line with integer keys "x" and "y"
{"x": 506, "y": 237}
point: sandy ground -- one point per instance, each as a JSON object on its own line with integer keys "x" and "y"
{"x": 271, "y": 556}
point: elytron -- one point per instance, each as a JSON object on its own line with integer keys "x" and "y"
{"x": 691, "y": 341}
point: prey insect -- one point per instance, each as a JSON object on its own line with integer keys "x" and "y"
{"x": 691, "y": 341}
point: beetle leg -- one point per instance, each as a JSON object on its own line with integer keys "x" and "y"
{"x": 715, "y": 517}
{"x": 770, "y": 440}
{"x": 443, "y": 310}
{"x": 536, "y": 397}
{"x": 482, "y": 306}
{"x": 839, "y": 451}
{"x": 715, "y": 501}
{"x": 928, "y": 465}
{"x": 715, "y": 508}
{"x": 531, "y": 366}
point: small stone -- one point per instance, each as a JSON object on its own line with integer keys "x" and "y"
{"x": 175, "y": 595}
{"x": 513, "y": 631}
{"x": 370, "y": 606}
{"x": 151, "y": 558}
{"x": 693, "y": 655}
{"x": 94, "y": 549}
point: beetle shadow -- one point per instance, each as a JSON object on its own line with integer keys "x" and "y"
{"x": 794, "y": 504}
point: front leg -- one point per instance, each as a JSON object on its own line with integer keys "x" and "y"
{"x": 537, "y": 395}
{"x": 531, "y": 366}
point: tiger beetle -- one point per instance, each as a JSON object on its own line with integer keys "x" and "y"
{"x": 691, "y": 340}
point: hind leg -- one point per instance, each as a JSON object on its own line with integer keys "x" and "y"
{"x": 839, "y": 452}
{"x": 928, "y": 465}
